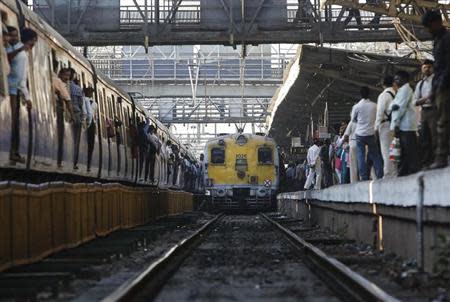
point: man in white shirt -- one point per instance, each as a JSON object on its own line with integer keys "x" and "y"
{"x": 350, "y": 137}
{"x": 364, "y": 115}
{"x": 404, "y": 124}
{"x": 312, "y": 161}
{"x": 90, "y": 112}
{"x": 17, "y": 85}
{"x": 382, "y": 124}
{"x": 428, "y": 119}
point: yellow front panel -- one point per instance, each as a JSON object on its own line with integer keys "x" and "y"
{"x": 226, "y": 173}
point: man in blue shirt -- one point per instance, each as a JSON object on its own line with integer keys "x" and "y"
{"x": 76, "y": 96}
{"x": 404, "y": 124}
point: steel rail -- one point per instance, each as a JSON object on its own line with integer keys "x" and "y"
{"x": 347, "y": 284}
{"x": 151, "y": 280}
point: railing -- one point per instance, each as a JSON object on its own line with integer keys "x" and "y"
{"x": 131, "y": 15}
{"x": 226, "y": 69}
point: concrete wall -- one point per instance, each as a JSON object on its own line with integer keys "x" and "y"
{"x": 383, "y": 213}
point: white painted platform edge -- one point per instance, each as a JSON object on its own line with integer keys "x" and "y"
{"x": 398, "y": 191}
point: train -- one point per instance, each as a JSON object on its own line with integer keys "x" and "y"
{"x": 113, "y": 157}
{"x": 242, "y": 172}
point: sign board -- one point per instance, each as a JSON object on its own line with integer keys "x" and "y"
{"x": 323, "y": 133}
{"x": 296, "y": 142}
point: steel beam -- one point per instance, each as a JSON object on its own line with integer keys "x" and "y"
{"x": 409, "y": 10}
{"x": 213, "y": 37}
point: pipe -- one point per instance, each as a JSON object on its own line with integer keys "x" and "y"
{"x": 419, "y": 224}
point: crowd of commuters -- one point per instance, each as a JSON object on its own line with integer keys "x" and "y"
{"x": 405, "y": 131}
{"x": 161, "y": 162}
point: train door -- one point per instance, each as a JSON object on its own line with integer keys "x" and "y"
{"x": 15, "y": 119}
{"x": 43, "y": 134}
{"x": 10, "y": 18}
{"x": 125, "y": 138}
{"x": 111, "y": 135}
{"x": 102, "y": 128}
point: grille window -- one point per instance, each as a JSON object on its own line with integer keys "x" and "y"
{"x": 217, "y": 155}
{"x": 265, "y": 156}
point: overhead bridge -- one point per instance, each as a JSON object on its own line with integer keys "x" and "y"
{"x": 227, "y": 22}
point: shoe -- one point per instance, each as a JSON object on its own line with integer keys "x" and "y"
{"x": 17, "y": 158}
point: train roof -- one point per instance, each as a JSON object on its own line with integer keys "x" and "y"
{"x": 257, "y": 137}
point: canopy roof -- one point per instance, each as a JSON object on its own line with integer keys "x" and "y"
{"x": 322, "y": 77}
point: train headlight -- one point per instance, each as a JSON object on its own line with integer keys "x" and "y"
{"x": 262, "y": 192}
{"x": 221, "y": 192}
{"x": 230, "y": 192}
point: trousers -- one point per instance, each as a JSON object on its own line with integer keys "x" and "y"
{"x": 60, "y": 132}
{"x": 373, "y": 153}
{"x": 353, "y": 161}
{"x": 409, "y": 159}
{"x": 428, "y": 134}
{"x": 443, "y": 124}
{"x": 310, "y": 178}
{"x": 15, "y": 124}
{"x": 386, "y": 137}
{"x": 91, "y": 141}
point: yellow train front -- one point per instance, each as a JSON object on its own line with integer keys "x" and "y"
{"x": 242, "y": 172}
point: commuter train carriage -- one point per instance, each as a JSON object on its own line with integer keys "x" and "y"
{"x": 242, "y": 172}
{"x": 114, "y": 153}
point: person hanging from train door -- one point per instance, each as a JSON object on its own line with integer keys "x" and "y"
{"x": 17, "y": 83}
{"x": 76, "y": 96}
{"x": 142, "y": 142}
{"x": 152, "y": 150}
{"x": 90, "y": 112}
{"x": 63, "y": 104}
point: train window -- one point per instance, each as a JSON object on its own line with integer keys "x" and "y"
{"x": 217, "y": 155}
{"x": 265, "y": 156}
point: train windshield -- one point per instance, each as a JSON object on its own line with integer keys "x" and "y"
{"x": 217, "y": 155}
{"x": 265, "y": 156}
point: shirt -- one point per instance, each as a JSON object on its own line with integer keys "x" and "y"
{"x": 76, "y": 96}
{"x": 18, "y": 76}
{"x": 89, "y": 110}
{"x": 405, "y": 116}
{"x": 313, "y": 154}
{"x": 423, "y": 89}
{"x": 384, "y": 101}
{"x": 290, "y": 172}
{"x": 60, "y": 87}
{"x": 441, "y": 54}
{"x": 364, "y": 114}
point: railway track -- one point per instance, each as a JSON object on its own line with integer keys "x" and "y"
{"x": 247, "y": 258}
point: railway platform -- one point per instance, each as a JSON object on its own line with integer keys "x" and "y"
{"x": 407, "y": 216}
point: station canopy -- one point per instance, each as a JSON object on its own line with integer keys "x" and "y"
{"x": 321, "y": 85}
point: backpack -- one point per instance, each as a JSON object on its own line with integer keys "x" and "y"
{"x": 389, "y": 115}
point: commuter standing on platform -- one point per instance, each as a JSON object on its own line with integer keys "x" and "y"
{"x": 76, "y": 96}
{"x": 350, "y": 138}
{"x": 404, "y": 124}
{"x": 364, "y": 115}
{"x": 17, "y": 84}
{"x": 432, "y": 20}
{"x": 382, "y": 124}
{"x": 422, "y": 97}
{"x": 312, "y": 160}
